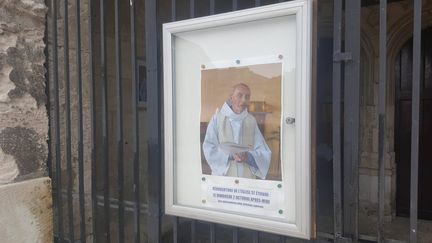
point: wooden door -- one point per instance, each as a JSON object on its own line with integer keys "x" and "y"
{"x": 403, "y": 129}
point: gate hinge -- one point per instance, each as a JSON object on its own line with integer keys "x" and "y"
{"x": 342, "y": 56}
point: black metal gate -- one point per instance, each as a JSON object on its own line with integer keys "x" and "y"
{"x": 106, "y": 114}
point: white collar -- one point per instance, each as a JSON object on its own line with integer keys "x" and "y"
{"x": 228, "y": 112}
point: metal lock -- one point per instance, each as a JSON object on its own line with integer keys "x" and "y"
{"x": 290, "y": 120}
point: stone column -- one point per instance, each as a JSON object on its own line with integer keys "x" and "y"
{"x": 25, "y": 188}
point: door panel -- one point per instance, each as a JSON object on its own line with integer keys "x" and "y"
{"x": 425, "y": 168}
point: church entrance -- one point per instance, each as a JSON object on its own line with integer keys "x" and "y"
{"x": 403, "y": 80}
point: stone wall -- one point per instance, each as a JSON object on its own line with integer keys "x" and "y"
{"x": 23, "y": 123}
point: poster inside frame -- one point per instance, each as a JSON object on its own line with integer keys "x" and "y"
{"x": 237, "y": 118}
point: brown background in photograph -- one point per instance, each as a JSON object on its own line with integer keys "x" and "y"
{"x": 264, "y": 81}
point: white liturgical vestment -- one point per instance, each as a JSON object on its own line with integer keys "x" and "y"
{"x": 228, "y": 127}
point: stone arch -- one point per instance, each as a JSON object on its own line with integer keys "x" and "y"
{"x": 402, "y": 30}
{"x": 368, "y": 55}
{"x": 398, "y": 34}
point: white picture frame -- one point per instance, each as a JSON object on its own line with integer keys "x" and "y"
{"x": 188, "y": 43}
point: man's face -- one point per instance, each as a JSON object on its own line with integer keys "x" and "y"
{"x": 240, "y": 99}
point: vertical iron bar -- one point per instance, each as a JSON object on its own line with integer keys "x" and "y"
{"x": 257, "y": 3}
{"x": 337, "y": 148}
{"x": 120, "y": 162}
{"x": 68, "y": 121}
{"x": 135, "y": 125}
{"x": 192, "y": 8}
{"x": 104, "y": 122}
{"x": 351, "y": 123}
{"x": 154, "y": 121}
{"x": 255, "y": 236}
{"x": 212, "y": 233}
{"x": 234, "y": 5}
{"x": 175, "y": 229}
{"x": 57, "y": 123}
{"x": 193, "y": 231}
{"x": 381, "y": 115}
{"x": 415, "y": 121}
{"x": 93, "y": 120}
{"x": 80, "y": 125}
{"x": 282, "y": 239}
{"x": 212, "y": 7}
{"x": 235, "y": 235}
{"x": 173, "y": 10}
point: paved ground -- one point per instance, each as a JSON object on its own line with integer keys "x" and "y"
{"x": 398, "y": 229}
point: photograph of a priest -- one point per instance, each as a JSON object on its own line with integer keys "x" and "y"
{"x": 233, "y": 144}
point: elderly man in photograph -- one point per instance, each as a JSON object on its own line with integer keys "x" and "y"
{"x": 232, "y": 124}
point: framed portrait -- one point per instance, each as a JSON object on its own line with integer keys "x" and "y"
{"x": 237, "y": 118}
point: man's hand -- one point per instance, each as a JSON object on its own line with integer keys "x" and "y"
{"x": 240, "y": 157}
